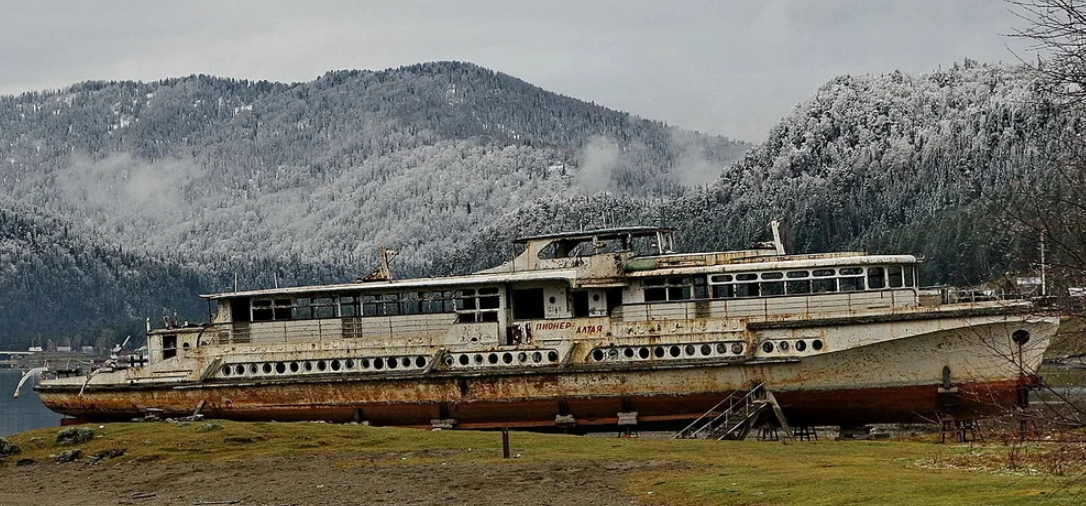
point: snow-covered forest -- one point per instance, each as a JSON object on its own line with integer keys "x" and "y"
{"x": 122, "y": 200}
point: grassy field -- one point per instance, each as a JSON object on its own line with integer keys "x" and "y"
{"x": 682, "y": 472}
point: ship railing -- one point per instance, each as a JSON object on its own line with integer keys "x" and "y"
{"x": 330, "y": 329}
{"x": 717, "y": 415}
{"x": 773, "y": 307}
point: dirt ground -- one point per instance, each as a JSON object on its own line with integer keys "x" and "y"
{"x": 322, "y": 480}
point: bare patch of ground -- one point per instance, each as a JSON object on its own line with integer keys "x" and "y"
{"x": 324, "y": 480}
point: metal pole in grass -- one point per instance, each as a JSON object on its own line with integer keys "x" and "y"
{"x": 505, "y": 442}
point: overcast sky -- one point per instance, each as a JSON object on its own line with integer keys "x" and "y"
{"x": 731, "y": 67}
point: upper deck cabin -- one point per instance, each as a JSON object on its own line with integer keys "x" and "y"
{"x": 581, "y": 275}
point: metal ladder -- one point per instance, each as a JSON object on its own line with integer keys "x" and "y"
{"x": 735, "y": 416}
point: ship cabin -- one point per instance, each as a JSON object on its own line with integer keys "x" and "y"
{"x": 604, "y": 284}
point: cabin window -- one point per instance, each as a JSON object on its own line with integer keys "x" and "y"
{"x": 283, "y": 308}
{"x": 348, "y": 306}
{"x": 910, "y": 273}
{"x": 580, "y": 303}
{"x": 823, "y": 285}
{"x": 852, "y": 284}
{"x": 798, "y": 287}
{"x": 767, "y": 289}
{"x": 674, "y": 288}
{"x": 895, "y": 275}
{"x": 324, "y": 307}
{"x": 369, "y": 305}
{"x": 876, "y": 278}
{"x": 169, "y": 346}
{"x": 389, "y": 305}
{"x": 436, "y": 302}
{"x": 262, "y": 310}
{"x": 723, "y": 291}
{"x": 851, "y": 279}
{"x": 528, "y": 304}
{"x": 478, "y": 305}
{"x": 303, "y": 309}
{"x": 410, "y": 303}
{"x": 240, "y": 310}
{"x": 797, "y": 274}
{"x": 746, "y": 289}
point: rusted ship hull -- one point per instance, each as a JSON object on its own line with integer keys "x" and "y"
{"x": 964, "y": 368}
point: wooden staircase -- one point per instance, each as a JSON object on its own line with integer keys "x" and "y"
{"x": 735, "y": 416}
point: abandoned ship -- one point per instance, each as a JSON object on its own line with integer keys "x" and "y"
{"x": 587, "y": 330}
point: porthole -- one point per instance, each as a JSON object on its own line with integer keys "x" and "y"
{"x": 783, "y": 345}
{"x": 464, "y": 360}
{"x": 294, "y": 367}
{"x": 552, "y": 300}
{"x": 674, "y": 351}
{"x": 816, "y": 344}
{"x": 507, "y": 358}
{"x": 767, "y": 347}
{"x": 348, "y": 364}
{"x": 522, "y": 357}
{"x": 392, "y": 362}
{"x": 226, "y": 370}
{"x": 336, "y": 365}
{"x": 378, "y": 363}
{"x": 252, "y": 369}
{"x": 612, "y": 352}
{"x": 552, "y": 356}
{"x": 406, "y": 361}
{"x": 280, "y": 368}
{"x": 308, "y": 366}
{"x": 596, "y": 297}
{"x": 449, "y": 360}
{"x": 366, "y": 363}
{"x": 721, "y": 348}
{"x": 478, "y": 358}
{"x": 537, "y": 357}
{"x": 597, "y": 354}
{"x": 628, "y": 352}
{"x": 737, "y": 348}
{"x": 706, "y": 349}
{"x": 690, "y": 350}
{"x": 801, "y": 345}
{"x": 643, "y": 353}
{"x": 658, "y": 351}
{"x": 420, "y": 362}
{"x": 492, "y": 358}
{"x": 321, "y": 365}
{"x": 239, "y": 369}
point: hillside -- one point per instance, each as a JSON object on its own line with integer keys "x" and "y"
{"x": 330, "y": 169}
{"x": 891, "y": 163}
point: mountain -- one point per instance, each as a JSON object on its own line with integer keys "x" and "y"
{"x": 328, "y": 170}
{"x": 891, "y": 163}
{"x": 193, "y": 183}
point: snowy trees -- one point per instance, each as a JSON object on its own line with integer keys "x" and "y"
{"x": 1052, "y": 207}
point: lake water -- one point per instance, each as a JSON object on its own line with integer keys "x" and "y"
{"x": 24, "y": 413}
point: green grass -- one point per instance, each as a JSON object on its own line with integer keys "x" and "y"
{"x": 691, "y": 472}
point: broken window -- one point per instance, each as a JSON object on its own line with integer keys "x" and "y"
{"x": 528, "y": 304}
{"x": 674, "y": 288}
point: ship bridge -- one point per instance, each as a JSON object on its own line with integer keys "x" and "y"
{"x": 596, "y": 254}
